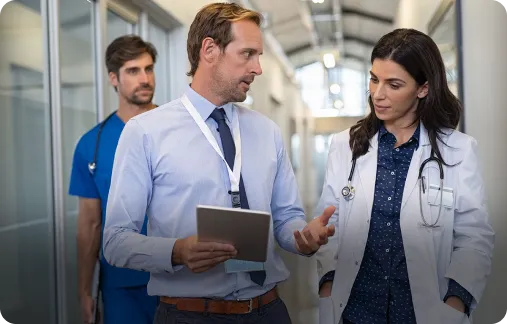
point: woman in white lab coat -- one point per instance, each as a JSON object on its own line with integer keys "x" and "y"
{"x": 413, "y": 243}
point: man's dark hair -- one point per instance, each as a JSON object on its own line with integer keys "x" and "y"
{"x": 126, "y": 48}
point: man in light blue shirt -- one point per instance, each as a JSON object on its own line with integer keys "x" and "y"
{"x": 166, "y": 164}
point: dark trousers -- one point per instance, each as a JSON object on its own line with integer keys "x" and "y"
{"x": 272, "y": 313}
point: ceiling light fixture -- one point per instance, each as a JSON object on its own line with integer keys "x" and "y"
{"x": 334, "y": 88}
{"x": 338, "y": 104}
{"x": 318, "y": 1}
{"x": 329, "y": 61}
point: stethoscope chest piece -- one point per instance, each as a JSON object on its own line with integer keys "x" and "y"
{"x": 348, "y": 192}
{"x": 91, "y": 167}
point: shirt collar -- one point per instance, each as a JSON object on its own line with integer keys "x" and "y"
{"x": 415, "y": 137}
{"x": 204, "y": 107}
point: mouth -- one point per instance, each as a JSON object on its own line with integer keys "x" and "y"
{"x": 145, "y": 91}
{"x": 246, "y": 83}
{"x": 378, "y": 107}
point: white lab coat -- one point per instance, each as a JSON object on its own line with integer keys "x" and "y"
{"x": 461, "y": 248}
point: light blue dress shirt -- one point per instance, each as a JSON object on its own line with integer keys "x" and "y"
{"x": 164, "y": 167}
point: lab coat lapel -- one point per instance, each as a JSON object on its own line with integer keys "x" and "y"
{"x": 415, "y": 163}
{"x": 367, "y": 170}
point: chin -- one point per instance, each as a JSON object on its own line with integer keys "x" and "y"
{"x": 382, "y": 117}
{"x": 238, "y": 98}
{"x": 141, "y": 101}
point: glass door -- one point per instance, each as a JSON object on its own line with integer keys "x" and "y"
{"x": 27, "y": 293}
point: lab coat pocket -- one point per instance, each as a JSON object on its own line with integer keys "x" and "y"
{"x": 449, "y": 315}
{"x": 437, "y": 195}
{"x": 438, "y": 207}
{"x": 326, "y": 310}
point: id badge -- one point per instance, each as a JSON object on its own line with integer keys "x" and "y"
{"x": 236, "y": 200}
{"x": 232, "y": 266}
{"x": 434, "y": 196}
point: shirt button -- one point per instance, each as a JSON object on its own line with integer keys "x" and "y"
{"x": 357, "y": 263}
{"x": 386, "y": 277}
{"x": 392, "y": 172}
{"x": 387, "y": 250}
{"x": 388, "y": 223}
{"x": 389, "y": 198}
{"x": 397, "y": 150}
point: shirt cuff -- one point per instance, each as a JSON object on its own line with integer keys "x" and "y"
{"x": 456, "y": 290}
{"x": 327, "y": 277}
{"x": 162, "y": 254}
{"x": 286, "y": 238}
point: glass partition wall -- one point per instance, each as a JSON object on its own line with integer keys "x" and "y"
{"x": 27, "y": 214}
{"x": 53, "y": 88}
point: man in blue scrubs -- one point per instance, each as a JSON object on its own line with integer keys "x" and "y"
{"x": 130, "y": 63}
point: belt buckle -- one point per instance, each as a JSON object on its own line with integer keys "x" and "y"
{"x": 250, "y": 304}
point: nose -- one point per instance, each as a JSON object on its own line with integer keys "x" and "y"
{"x": 256, "y": 68}
{"x": 143, "y": 77}
{"x": 378, "y": 91}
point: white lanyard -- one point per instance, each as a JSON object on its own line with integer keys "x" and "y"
{"x": 234, "y": 175}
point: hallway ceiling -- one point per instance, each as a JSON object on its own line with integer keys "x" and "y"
{"x": 307, "y": 29}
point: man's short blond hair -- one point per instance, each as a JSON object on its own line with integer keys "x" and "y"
{"x": 214, "y": 21}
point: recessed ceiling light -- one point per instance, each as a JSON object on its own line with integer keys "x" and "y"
{"x": 329, "y": 61}
{"x": 334, "y": 88}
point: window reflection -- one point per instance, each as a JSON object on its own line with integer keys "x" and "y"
{"x": 78, "y": 116}
{"x": 340, "y": 91}
{"x": 116, "y": 27}
{"x": 313, "y": 90}
{"x": 25, "y": 168}
{"x": 158, "y": 37}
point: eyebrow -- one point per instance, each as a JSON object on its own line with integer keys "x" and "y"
{"x": 133, "y": 68}
{"x": 252, "y": 50}
{"x": 389, "y": 80}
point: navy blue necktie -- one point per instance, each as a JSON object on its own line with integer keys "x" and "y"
{"x": 230, "y": 153}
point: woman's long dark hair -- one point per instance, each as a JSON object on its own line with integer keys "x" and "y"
{"x": 420, "y": 57}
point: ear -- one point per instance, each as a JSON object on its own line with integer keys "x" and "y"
{"x": 209, "y": 50}
{"x": 113, "y": 79}
{"x": 423, "y": 90}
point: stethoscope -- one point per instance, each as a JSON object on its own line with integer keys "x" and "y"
{"x": 348, "y": 192}
{"x": 92, "y": 166}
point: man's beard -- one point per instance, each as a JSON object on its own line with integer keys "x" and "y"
{"x": 136, "y": 100}
{"x": 227, "y": 90}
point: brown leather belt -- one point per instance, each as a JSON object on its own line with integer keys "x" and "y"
{"x": 220, "y": 306}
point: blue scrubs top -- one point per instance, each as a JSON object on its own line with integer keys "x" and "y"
{"x": 84, "y": 184}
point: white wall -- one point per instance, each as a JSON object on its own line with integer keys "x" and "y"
{"x": 485, "y": 68}
{"x": 416, "y": 13}
{"x": 485, "y": 71}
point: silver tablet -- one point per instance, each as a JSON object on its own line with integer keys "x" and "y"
{"x": 247, "y": 230}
